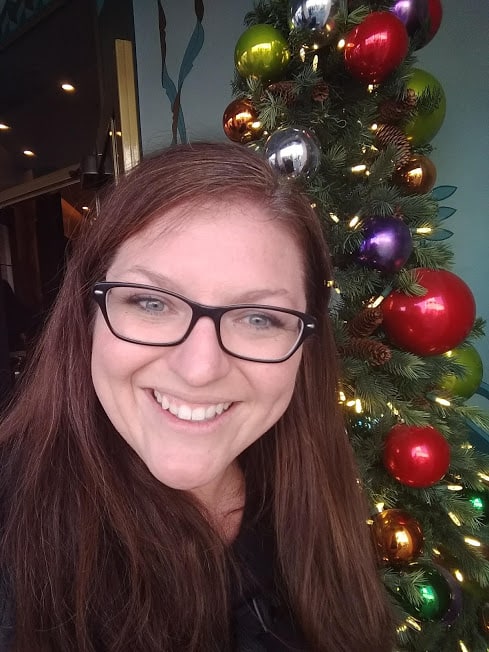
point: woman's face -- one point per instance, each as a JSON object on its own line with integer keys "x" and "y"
{"x": 222, "y": 254}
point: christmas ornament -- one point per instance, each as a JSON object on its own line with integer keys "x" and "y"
{"x": 417, "y": 456}
{"x": 433, "y": 323}
{"x": 424, "y": 125}
{"x": 317, "y": 17}
{"x": 456, "y": 599}
{"x": 435, "y": 595}
{"x": 293, "y": 151}
{"x": 465, "y": 386}
{"x": 422, "y": 19}
{"x": 376, "y": 47}
{"x": 240, "y": 121}
{"x": 387, "y": 244}
{"x": 261, "y": 51}
{"x": 417, "y": 176}
{"x": 398, "y": 536}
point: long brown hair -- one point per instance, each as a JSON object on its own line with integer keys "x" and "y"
{"x": 100, "y": 555}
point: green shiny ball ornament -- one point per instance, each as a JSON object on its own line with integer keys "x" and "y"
{"x": 262, "y": 51}
{"x": 435, "y": 595}
{"x": 466, "y": 385}
{"x": 424, "y": 126}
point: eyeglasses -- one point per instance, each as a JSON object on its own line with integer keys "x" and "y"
{"x": 147, "y": 315}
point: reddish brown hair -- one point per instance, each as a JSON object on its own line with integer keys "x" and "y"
{"x": 98, "y": 552}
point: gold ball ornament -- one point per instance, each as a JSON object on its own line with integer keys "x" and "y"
{"x": 262, "y": 51}
{"x": 417, "y": 176}
{"x": 240, "y": 121}
{"x": 398, "y": 536}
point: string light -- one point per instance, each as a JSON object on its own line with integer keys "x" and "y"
{"x": 424, "y": 230}
{"x": 455, "y": 519}
{"x": 315, "y": 60}
{"x": 359, "y": 168}
{"x": 4, "y": 127}
{"x": 463, "y": 647}
{"x": 354, "y": 221}
{"x": 302, "y": 54}
{"x": 472, "y": 542}
{"x": 341, "y": 44}
{"x": 458, "y": 575}
{"x": 413, "y": 624}
{"x": 483, "y": 476}
{"x": 334, "y": 217}
{"x": 380, "y": 507}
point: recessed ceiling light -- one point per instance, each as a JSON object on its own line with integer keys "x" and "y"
{"x": 3, "y": 126}
{"x": 28, "y": 152}
{"x": 69, "y": 88}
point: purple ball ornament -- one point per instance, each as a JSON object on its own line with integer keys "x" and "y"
{"x": 455, "y": 606}
{"x": 421, "y": 18}
{"x": 387, "y": 244}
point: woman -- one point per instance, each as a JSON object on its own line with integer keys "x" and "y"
{"x": 175, "y": 470}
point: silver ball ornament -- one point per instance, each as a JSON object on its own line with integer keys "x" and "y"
{"x": 312, "y": 15}
{"x": 293, "y": 151}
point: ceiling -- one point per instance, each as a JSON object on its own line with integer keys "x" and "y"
{"x": 59, "y": 127}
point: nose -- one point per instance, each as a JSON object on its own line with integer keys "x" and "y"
{"x": 199, "y": 360}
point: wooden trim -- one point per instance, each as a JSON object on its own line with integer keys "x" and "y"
{"x": 126, "y": 85}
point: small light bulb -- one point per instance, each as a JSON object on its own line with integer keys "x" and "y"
{"x": 28, "y": 152}
{"x": 69, "y": 88}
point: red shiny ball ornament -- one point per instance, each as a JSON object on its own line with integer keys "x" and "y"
{"x": 417, "y": 456}
{"x": 376, "y": 47}
{"x": 434, "y": 323}
{"x": 435, "y": 11}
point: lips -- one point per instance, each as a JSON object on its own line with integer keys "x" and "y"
{"x": 187, "y": 412}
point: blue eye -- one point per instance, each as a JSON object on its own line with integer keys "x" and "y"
{"x": 151, "y": 304}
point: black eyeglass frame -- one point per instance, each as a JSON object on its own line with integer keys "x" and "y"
{"x": 100, "y": 290}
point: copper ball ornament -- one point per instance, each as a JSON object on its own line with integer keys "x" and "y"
{"x": 240, "y": 121}
{"x": 398, "y": 536}
{"x": 417, "y": 176}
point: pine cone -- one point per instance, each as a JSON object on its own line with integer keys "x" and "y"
{"x": 366, "y": 349}
{"x": 285, "y": 89}
{"x": 391, "y": 135}
{"x": 392, "y": 112}
{"x": 320, "y": 92}
{"x": 365, "y": 323}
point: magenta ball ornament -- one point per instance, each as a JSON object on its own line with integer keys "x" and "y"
{"x": 387, "y": 244}
{"x": 417, "y": 456}
{"x": 435, "y": 322}
{"x": 376, "y": 47}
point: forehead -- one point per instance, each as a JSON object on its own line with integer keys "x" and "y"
{"x": 225, "y": 243}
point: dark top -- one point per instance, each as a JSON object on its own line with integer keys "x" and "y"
{"x": 261, "y": 620}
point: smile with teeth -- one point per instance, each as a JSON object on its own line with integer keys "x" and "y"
{"x": 186, "y": 413}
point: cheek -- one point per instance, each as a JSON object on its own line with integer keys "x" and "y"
{"x": 278, "y": 385}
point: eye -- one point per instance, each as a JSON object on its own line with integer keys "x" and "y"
{"x": 152, "y": 304}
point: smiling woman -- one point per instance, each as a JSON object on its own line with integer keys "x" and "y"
{"x": 175, "y": 466}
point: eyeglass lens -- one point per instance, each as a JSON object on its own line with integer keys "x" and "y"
{"x": 154, "y": 317}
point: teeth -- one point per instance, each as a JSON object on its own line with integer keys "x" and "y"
{"x": 186, "y": 413}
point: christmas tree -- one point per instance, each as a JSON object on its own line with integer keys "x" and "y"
{"x": 330, "y": 93}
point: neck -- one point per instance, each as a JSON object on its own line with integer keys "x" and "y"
{"x": 224, "y": 501}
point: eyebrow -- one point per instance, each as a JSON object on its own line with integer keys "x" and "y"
{"x": 163, "y": 282}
